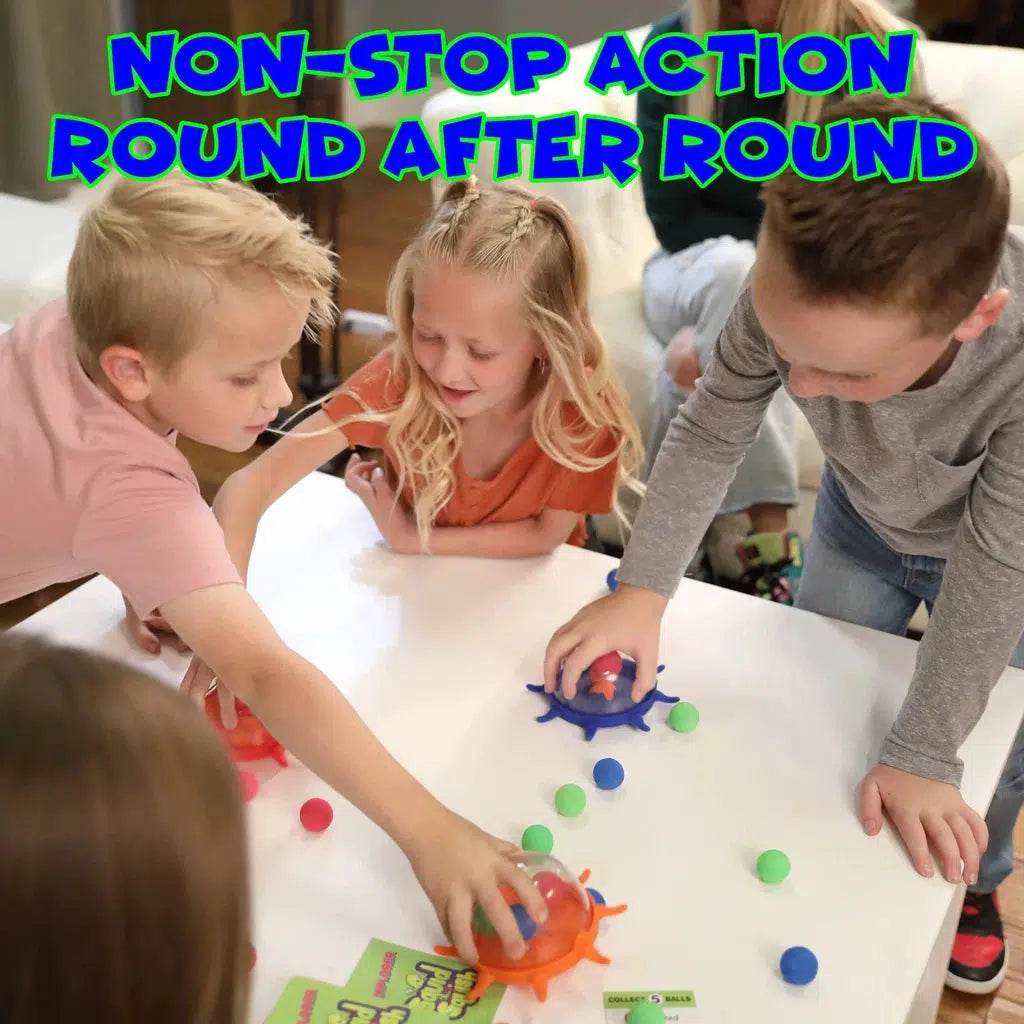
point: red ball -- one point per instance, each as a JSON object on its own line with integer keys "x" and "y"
{"x": 316, "y": 815}
{"x": 552, "y": 888}
{"x": 607, "y": 667}
{"x": 250, "y": 785}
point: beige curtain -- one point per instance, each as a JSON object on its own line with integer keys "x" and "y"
{"x": 53, "y": 60}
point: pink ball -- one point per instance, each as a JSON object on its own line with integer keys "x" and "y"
{"x": 316, "y": 815}
{"x": 250, "y": 785}
{"x": 552, "y": 888}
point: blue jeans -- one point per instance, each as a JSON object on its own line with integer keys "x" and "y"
{"x": 851, "y": 574}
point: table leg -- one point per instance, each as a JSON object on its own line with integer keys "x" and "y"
{"x": 925, "y": 1007}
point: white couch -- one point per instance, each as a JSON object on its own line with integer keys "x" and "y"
{"x": 984, "y": 83}
{"x": 39, "y": 238}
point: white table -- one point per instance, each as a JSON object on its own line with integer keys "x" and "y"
{"x": 436, "y": 654}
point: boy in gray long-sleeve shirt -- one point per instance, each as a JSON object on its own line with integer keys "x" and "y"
{"x": 892, "y": 314}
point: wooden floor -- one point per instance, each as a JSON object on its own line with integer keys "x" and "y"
{"x": 378, "y": 216}
{"x": 1007, "y": 1005}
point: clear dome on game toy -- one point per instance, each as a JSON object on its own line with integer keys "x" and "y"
{"x": 569, "y": 916}
{"x": 565, "y": 938}
{"x": 603, "y": 697}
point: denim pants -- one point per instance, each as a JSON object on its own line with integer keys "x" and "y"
{"x": 697, "y": 288}
{"x": 851, "y": 574}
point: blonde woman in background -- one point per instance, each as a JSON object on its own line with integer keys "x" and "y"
{"x": 705, "y": 249}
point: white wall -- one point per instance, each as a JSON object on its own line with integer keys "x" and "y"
{"x": 574, "y": 21}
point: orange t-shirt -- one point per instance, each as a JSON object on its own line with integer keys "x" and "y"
{"x": 529, "y": 482}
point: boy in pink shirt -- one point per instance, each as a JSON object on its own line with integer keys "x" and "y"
{"x": 183, "y": 298}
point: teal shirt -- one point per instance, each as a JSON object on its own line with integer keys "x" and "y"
{"x": 681, "y": 211}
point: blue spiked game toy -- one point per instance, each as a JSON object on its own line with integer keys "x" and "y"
{"x": 603, "y": 699}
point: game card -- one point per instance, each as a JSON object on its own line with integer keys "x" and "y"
{"x": 390, "y": 985}
{"x": 680, "y": 1007}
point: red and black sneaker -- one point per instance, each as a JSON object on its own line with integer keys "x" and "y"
{"x": 978, "y": 962}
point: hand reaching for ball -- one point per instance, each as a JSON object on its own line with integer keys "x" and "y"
{"x": 460, "y": 867}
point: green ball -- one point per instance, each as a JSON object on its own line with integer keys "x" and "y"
{"x": 570, "y": 800}
{"x": 481, "y": 923}
{"x": 645, "y": 1013}
{"x": 772, "y": 866}
{"x": 538, "y": 839}
{"x": 683, "y": 717}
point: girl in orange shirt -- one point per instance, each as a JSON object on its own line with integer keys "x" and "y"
{"x": 496, "y": 408}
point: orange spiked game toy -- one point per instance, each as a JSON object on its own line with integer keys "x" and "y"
{"x": 552, "y": 949}
{"x": 249, "y": 740}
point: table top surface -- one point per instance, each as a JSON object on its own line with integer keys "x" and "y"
{"x": 436, "y": 654}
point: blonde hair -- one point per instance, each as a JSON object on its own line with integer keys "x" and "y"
{"x": 150, "y": 256}
{"x": 124, "y": 875}
{"x": 836, "y": 18}
{"x": 516, "y": 236}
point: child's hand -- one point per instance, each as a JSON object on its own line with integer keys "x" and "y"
{"x": 153, "y": 632}
{"x": 628, "y": 621}
{"x": 368, "y": 481}
{"x": 197, "y": 682}
{"x": 460, "y": 866}
{"x": 925, "y": 812}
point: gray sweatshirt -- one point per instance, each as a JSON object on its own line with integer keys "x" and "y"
{"x": 938, "y": 471}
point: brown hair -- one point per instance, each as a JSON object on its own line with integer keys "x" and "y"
{"x": 929, "y": 247}
{"x": 123, "y": 868}
{"x": 514, "y": 235}
{"x": 150, "y": 256}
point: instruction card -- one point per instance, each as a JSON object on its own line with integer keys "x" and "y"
{"x": 679, "y": 1007}
{"x": 390, "y": 985}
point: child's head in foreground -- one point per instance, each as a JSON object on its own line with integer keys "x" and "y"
{"x": 867, "y": 288}
{"x": 123, "y": 865}
{"x": 185, "y": 296}
{"x": 490, "y": 307}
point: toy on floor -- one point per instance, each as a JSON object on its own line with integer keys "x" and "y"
{"x": 603, "y": 699}
{"x": 249, "y": 740}
{"x": 563, "y": 941}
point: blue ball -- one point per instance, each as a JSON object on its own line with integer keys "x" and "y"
{"x": 799, "y": 965}
{"x": 608, "y": 773}
{"x": 613, "y": 580}
{"x": 598, "y": 898}
{"x": 527, "y": 925}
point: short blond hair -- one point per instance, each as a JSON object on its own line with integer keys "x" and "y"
{"x": 151, "y": 255}
{"x": 928, "y": 247}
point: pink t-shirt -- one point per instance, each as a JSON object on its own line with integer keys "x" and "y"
{"x": 85, "y": 487}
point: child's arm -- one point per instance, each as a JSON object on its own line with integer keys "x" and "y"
{"x": 537, "y": 535}
{"x": 247, "y": 494}
{"x": 704, "y": 446}
{"x": 457, "y": 864}
{"x": 975, "y": 625}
